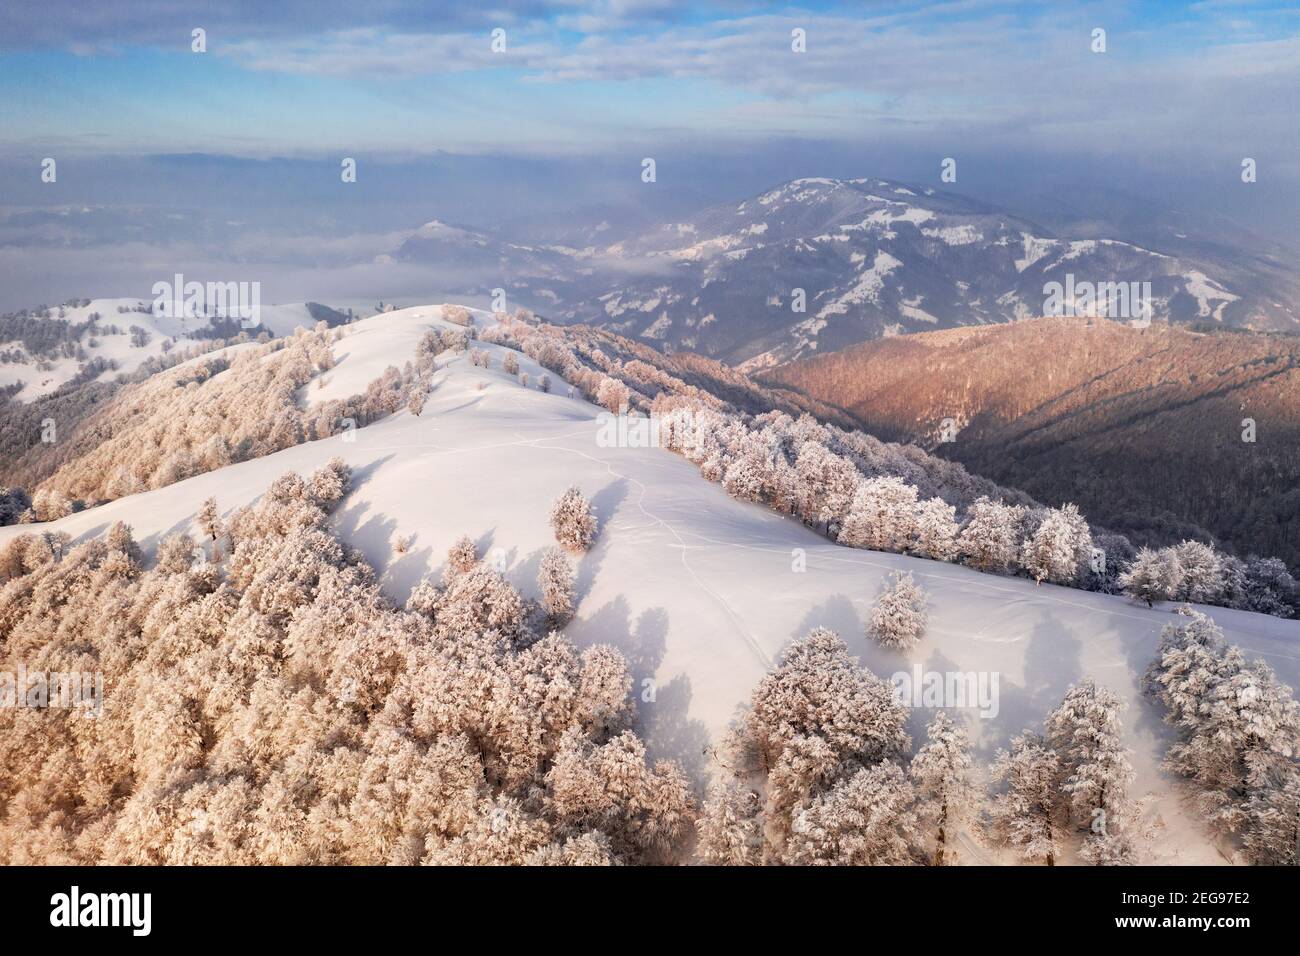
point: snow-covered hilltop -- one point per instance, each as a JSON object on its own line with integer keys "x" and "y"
{"x": 701, "y": 592}
{"x": 100, "y": 339}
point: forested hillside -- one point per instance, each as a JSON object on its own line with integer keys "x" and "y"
{"x": 1148, "y": 430}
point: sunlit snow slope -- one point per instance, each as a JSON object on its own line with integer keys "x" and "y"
{"x": 697, "y": 589}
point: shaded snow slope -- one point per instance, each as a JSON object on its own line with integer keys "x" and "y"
{"x": 696, "y": 589}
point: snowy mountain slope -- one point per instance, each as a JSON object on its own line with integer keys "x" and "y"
{"x": 697, "y": 589}
{"x": 873, "y": 258}
{"x": 878, "y": 258}
{"x": 112, "y": 342}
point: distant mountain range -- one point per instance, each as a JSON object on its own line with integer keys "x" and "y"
{"x": 1145, "y": 429}
{"x": 873, "y": 258}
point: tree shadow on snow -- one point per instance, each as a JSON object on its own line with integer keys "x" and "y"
{"x": 1051, "y": 664}
{"x": 605, "y": 504}
{"x": 662, "y": 706}
{"x": 839, "y": 614}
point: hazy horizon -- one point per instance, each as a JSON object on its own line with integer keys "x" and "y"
{"x": 228, "y": 160}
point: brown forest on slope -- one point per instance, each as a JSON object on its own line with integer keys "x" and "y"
{"x": 198, "y": 417}
{"x": 1142, "y": 428}
{"x": 275, "y": 707}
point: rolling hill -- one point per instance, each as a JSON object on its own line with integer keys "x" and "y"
{"x": 1142, "y": 428}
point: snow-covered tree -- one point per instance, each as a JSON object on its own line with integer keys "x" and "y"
{"x": 825, "y": 484}
{"x": 898, "y": 618}
{"x": 819, "y": 690}
{"x": 555, "y": 581}
{"x": 457, "y": 314}
{"x": 1239, "y": 728}
{"x": 51, "y": 504}
{"x": 613, "y": 395}
{"x": 866, "y": 819}
{"x": 988, "y": 540}
{"x": 1270, "y": 588}
{"x": 1149, "y": 578}
{"x": 1085, "y": 732}
{"x": 415, "y": 404}
{"x": 209, "y": 520}
{"x": 478, "y": 600}
{"x": 882, "y": 516}
{"x": 573, "y": 520}
{"x": 1059, "y": 546}
{"x": 936, "y": 530}
{"x": 645, "y": 810}
{"x": 1024, "y": 815}
{"x": 175, "y": 554}
{"x": 941, "y": 774}
{"x": 330, "y": 481}
{"x": 747, "y": 475}
{"x": 730, "y": 828}
{"x": 1272, "y": 836}
{"x": 1190, "y": 660}
{"x": 461, "y": 557}
{"x": 1201, "y": 573}
{"x": 510, "y": 364}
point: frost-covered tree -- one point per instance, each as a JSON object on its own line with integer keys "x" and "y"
{"x": 613, "y": 395}
{"x": 898, "y": 618}
{"x": 941, "y": 774}
{"x": 936, "y": 530}
{"x": 1272, "y": 836}
{"x": 645, "y": 810}
{"x": 415, "y": 404}
{"x": 1059, "y": 546}
{"x": 730, "y": 828}
{"x": 820, "y": 690}
{"x": 988, "y": 541}
{"x": 1024, "y": 815}
{"x": 457, "y": 314}
{"x": 279, "y": 710}
{"x": 1190, "y": 660}
{"x": 209, "y": 520}
{"x": 747, "y": 475}
{"x": 1085, "y": 732}
{"x": 573, "y": 520}
{"x": 882, "y": 516}
{"x": 825, "y": 484}
{"x": 555, "y": 582}
{"x": 510, "y": 364}
{"x": 480, "y": 599}
{"x": 1200, "y": 576}
{"x": 1149, "y": 578}
{"x": 1270, "y": 588}
{"x": 51, "y": 504}
{"x": 1239, "y": 728}
{"x": 175, "y": 554}
{"x": 816, "y": 719}
{"x": 591, "y": 848}
{"x": 866, "y": 819}
{"x": 461, "y": 557}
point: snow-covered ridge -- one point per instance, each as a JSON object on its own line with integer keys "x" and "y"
{"x": 124, "y": 351}
{"x": 700, "y": 591}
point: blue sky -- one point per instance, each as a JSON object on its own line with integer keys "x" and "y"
{"x": 303, "y": 79}
{"x": 246, "y": 138}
